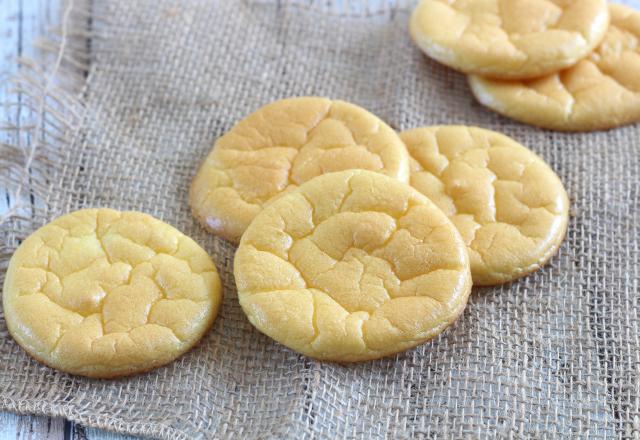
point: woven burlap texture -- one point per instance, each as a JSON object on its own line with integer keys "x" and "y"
{"x": 554, "y": 355}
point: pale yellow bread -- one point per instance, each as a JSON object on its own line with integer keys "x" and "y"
{"x": 509, "y": 206}
{"x": 510, "y": 39}
{"x": 282, "y": 145}
{"x": 352, "y": 266}
{"x": 600, "y": 92}
{"x": 102, "y": 293}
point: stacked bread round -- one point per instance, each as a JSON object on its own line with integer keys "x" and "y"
{"x": 356, "y": 242}
{"x": 569, "y": 66}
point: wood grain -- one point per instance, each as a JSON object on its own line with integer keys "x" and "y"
{"x": 13, "y": 426}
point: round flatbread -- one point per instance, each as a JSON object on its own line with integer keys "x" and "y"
{"x": 104, "y": 294}
{"x": 509, "y": 206}
{"x": 352, "y": 266}
{"x": 510, "y": 39}
{"x": 283, "y": 145}
{"x": 600, "y": 92}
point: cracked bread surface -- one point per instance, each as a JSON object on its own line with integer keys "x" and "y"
{"x": 103, "y": 293}
{"x": 601, "y": 91}
{"x": 279, "y": 147}
{"x": 352, "y": 266}
{"x": 507, "y": 203}
{"x": 509, "y": 39}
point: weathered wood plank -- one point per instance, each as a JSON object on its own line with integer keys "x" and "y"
{"x": 83, "y": 433}
{"x": 10, "y": 49}
{"x": 24, "y": 427}
{"x": 17, "y": 427}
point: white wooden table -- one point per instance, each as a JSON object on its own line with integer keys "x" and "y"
{"x": 21, "y": 22}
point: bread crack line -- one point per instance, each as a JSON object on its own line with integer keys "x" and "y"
{"x": 258, "y": 201}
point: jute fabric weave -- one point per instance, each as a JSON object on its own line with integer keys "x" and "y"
{"x": 554, "y": 355}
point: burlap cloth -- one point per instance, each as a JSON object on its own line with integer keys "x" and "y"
{"x": 554, "y": 355}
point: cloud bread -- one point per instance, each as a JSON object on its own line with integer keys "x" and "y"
{"x": 103, "y": 293}
{"x": 602, "y": 91}
{"x": 352, "y": 266}
{"x": 281, "y": 146}
{"x": 509, "y": 206}
{"x": 509, "y": 39}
